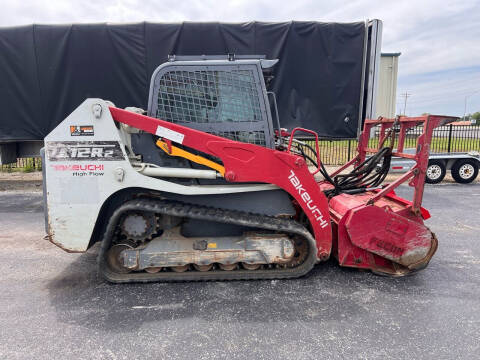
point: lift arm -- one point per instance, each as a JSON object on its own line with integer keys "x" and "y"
{"x": 245, "y": 162}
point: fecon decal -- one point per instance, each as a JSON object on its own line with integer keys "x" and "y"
{"x": 307, "y": 199}
{"x": 81, "y": 130}
{"x": 84, "y": 151}
{"x": 387, "y": 246}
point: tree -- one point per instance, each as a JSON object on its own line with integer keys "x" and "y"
{"x": 476, "y": 117}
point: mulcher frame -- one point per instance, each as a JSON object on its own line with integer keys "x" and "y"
{"x": 418, "y": 171}
{"x": 379, "y": 230}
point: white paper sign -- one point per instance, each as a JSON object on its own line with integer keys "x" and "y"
{"x": 170, "y": 134}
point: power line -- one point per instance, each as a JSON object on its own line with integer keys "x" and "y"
{"x": 406, "y": 94}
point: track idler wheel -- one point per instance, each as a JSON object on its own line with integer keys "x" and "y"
{"x": 228, "y": 267}
{"x": 250, "y": 266}
{"x": 203, "y": 267}
{"x": 114, "y": 260}
{"x": 180, "y": 269}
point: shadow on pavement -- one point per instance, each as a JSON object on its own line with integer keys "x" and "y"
{"x": 329, "y": 292}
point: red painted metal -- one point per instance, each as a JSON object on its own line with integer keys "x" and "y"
{"x": 374, "y": 230}
{"x": 317, "y": 149}
{"x": 378, "y": 230}
{"x": 245, "y": 162}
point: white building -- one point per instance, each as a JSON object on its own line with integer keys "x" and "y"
{"x": 387, "y": 85}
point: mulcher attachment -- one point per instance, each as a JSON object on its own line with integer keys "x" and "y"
{"x": 373, "y": 228}
{"x": 363, "y": 223}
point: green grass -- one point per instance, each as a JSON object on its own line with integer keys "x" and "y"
{"x": 23, "y": 165}
{"x": 336, "y": 152}
{"x": 457, "y": 145}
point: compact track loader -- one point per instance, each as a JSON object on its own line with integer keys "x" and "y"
{"x": 203, "y": 186}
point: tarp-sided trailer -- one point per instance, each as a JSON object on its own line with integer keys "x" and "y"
{"x": 325, "y": 80}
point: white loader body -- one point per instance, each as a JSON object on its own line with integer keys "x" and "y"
{"x": 86, "y": 162}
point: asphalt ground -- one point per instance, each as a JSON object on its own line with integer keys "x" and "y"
{"x": 54, "y": 306}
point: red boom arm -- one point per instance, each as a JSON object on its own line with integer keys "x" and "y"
{"x": 245, "y": 162}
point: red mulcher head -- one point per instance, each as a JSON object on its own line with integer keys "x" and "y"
{"x": 375, "y": 229}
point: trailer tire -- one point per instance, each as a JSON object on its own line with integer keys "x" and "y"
{"x": 436, "y": 171}
{"x": 464, "y": 171}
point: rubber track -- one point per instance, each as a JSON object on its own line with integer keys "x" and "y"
{"x": 209, "y": 214}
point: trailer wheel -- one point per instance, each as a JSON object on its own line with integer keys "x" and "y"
{"x": 464, "y": 171}
{"x": 436, "y": 171}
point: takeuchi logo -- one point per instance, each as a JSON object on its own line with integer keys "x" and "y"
{"x": 86, "y": 167}
{"x": 307, "y": 199}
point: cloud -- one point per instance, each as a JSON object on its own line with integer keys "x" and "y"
{"x": 438, "y": 40}
{"x": 441, "y": 92}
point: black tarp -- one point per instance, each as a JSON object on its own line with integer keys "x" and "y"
{"x": 46, "y": 71}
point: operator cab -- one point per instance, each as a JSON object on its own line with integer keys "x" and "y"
{"x": 222, "y": 95}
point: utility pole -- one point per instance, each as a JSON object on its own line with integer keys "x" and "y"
{"x": 406, "y": 94}
{"x": 465, "y": 107}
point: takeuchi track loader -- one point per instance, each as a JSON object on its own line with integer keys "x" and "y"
{"x": 204, "y": 186}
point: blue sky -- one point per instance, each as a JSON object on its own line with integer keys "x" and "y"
{"x": 439, "y": 40}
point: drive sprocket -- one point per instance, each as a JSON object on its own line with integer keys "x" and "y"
{"x": 139, "y": 226}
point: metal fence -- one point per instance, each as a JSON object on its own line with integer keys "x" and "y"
{"x": 450, "y": 138}
{"x": 24, "y": 165}
{"x": 446, "y": 139}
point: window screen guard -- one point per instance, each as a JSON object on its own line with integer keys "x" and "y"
{"x": 225, "y": 100}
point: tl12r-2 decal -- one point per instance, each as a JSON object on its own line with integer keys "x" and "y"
{"x": 84, "y": 151}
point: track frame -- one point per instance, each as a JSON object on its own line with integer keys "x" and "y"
{"x": 179, "y": 209}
